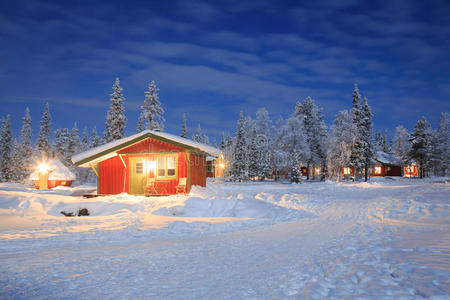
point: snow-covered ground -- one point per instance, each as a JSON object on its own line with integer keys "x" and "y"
{"x": 387, "y": 238}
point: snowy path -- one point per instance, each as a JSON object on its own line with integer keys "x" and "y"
{"x": 367, "y": 240}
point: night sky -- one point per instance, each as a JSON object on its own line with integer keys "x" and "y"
{"x": 213, "y": 59}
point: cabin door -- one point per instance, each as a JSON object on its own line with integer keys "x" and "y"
{"x": 138, "y": 176}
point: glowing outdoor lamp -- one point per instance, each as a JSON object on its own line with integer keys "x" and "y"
{"x": 221, "y": 165}
{"x": 44, "y": 170}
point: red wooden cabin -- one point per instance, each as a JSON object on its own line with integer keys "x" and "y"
{"x": 152, "y": 159}
{"x": 386, "y": 164}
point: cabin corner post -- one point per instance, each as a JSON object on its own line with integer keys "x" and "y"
{"x": 188, "y": 171}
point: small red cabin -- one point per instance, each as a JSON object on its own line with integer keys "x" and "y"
{"x": 386, "y": 164}
{"x": 50, "y": 174}
{"x": 150, "y": 162}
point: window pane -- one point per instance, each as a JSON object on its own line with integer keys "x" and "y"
{"x": 171, "y": 165}
{"x": 161, "y": 166}
{"x": 139, "y": 168}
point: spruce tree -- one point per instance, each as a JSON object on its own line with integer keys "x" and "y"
{"x": 5, "y": 150}
{"x": 378, "y": 141}
{"x": 95, "y": 139}
{"x": 340, "y": 141}
{"x": 62, "y": 137}
{"x": 442, "y": 149}
{"x": 85, "y": 140}
{"x": 183, "y": 126}
{"x": 222, "y": 141}
{"x": 115, "y": 118}
{"x": 357, "y": 156}
{"x": 421, "y": 145}
{"x": 239, "y": 170}
{"x": 198, "y": 137}
{"x": 74, "y": 144}
{"x": 152, "y": 111}
{"x": 260, "y": 143}
{"x": 26, "y": 149}
{"x": 17, "y": 173}
{"x": 402, "y": 145}
{"x": 385, "y": 141}
{"x": 43, "y": 142}
{"x": 141, "y": 123}
{"x": 366, "y": 136}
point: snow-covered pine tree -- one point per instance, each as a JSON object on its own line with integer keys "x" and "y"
{"x": 385, "y": 141}
{"x": 16, "y": 169}
{"x": 5, "y": 150}
{"x": 73, "y": 146}
{"x": 366, "y": 136}
{"x": 183, "y": 126}
{"x": 357, "y": 156}
{"x": 26, "y": 149}
{"x": 95, "y": 139}
{"x": 278, "y": 154}
{"x": 115, "y": 118}
{"x": 62, "y": 136}
{"x": 85, "y": 140}
{"x": 315, "y": 130}
{"x": 421, "y": 145}
{"x": 442, "y": 149}
{"x": 239, "y": 169}
{"x": 214, "y": 143}
{"x": 222, "y": 141}
{"x": 43, "y": 141}
{"x": 152, "y": 110}
{"x": 378, "y": 146}
{"x": 141, "y": 123}
{"x": 339, "y": 143}
{"x": 402, "y": 145}
{"x": 261, "y": 142}
{"x": 253, "y": 159}
{"x": 198, "y": 136}
{"x": 83, "y": 173}
{"x": 295, "y": 145}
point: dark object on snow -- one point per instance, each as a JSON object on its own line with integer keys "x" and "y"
{"x": 67, "y": 214}
{"x": 83, "y": 212}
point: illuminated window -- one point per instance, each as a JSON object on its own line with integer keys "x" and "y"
{"x": 377, "y": 170}
{"x": 167, "y": 166}
{"x": 171, "y": 162}
{"x": 347, "y": 171}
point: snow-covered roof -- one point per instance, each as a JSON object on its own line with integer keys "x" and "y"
{"x": 57, "y": 170}
{"x": 387, "y": 158}
{"x": 109, "y": 150}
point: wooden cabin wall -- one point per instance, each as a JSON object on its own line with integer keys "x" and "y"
{"x": 198, "y": 170}
{"x": 112, "y": 176}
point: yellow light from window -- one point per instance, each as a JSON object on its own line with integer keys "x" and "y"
{"x": 378, "y": 170}
{"x": 346, "y": 171}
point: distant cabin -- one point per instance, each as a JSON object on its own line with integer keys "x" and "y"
{"x": 386, "y": 164}
{"x": 50, "y": 174}
{"x": 150, "y": 162}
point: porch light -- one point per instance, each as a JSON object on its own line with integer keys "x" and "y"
{"x": 221, "y": 165}
{"x": 43, "y": 168}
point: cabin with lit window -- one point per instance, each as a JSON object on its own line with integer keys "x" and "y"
{"x": 215, "y": 166}
{"x": 346, "y": 172}
{"x": 148, "y": 163}
{"x": 386, "y": 164}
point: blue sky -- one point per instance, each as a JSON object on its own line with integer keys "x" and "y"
{"x": 213, "y": 59}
